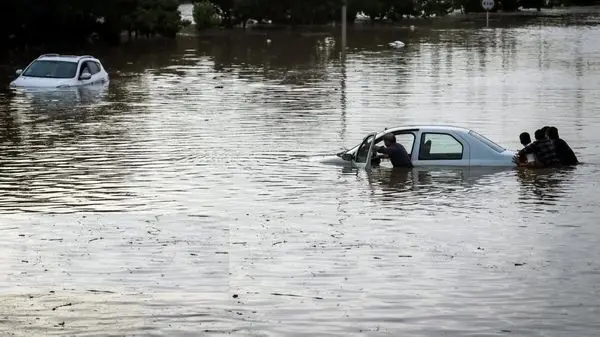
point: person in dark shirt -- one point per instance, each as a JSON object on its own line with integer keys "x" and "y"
{"x": 543, "y": 149}
{"x": 525, "y": 138}
{"x": 394, "y": 151}
{"x": 563, "y": 150}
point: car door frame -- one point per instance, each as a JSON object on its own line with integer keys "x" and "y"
{"x": 396, "y": 133}
{"x": 466, "y": 154}
{"x": 412, "y": 132}
{"x": 367, "y": 164}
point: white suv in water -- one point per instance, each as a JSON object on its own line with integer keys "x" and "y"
{"x": 61, "y": 71}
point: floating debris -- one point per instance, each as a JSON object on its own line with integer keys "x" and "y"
{"x": 60, "y": 306}
{"x": 292, "y": 295}
{"x": 101, "y": 291}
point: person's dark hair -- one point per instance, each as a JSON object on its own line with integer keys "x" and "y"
{"x": 525, "y": 138}
{"x": 540, "y": 134}
{"x": 390, "y": 137}
{"x": 552, "y": 133}
{"x": 545, "y": 129}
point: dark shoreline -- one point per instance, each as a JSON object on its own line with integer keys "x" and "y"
{"x": 448, "y": 21}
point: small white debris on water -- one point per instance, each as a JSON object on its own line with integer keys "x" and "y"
{"x": 396, "y": 44}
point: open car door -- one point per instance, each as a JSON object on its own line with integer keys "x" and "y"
{"x": 363, "y": 155}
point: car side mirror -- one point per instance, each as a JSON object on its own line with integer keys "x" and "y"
{"x": 85, "y": 76}
{"x": 19, "y": 72}
{"x": 347, "y": 157}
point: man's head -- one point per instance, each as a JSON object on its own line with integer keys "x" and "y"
{"x": 545, "y": 130}
{"x": 552, "y": 133}
{"x": 525, "y": 138}
{"x": 389, "y": 139}
{"x": 540, "y": 134}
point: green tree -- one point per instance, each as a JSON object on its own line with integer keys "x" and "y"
{"x": 50, "y": 21}
{"x": 429, "y": 8}
{"x": 205, "y": 15}
{"x": 226, "y": 9}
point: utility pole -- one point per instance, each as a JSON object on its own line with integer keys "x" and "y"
{"x": 344, "y": 27}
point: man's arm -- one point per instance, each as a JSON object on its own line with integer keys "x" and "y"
{"x": 528, "y": 149}
{"x": 382, "y": 150}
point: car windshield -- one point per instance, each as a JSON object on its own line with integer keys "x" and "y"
{"x": 487, "y": 142}
{"x": 51, "y": 69}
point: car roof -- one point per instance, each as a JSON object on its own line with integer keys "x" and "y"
{"x": 67, "y": 58}
{"x": 426, "y": 127}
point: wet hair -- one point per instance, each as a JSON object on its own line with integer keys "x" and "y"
{"x": 390, "y": 137}
{"x": 540, "y": 134}
{"x": 525, "y": 138}
{"x": 552, "y": 133}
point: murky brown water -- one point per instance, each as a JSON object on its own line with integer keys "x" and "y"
{"x": 187, "y": 200}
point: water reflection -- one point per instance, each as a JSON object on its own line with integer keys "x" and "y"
{"x": 545, "y": 186}
{"x": 426, "y": 179}
{"x": 47, "y": 100}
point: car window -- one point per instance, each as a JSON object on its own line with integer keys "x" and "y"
{"x": 407, "y": 140}
{"x": 487, "y": 142}
{"x": 51, "y": 69}
{"x": 89, "y": 67}
{"x": 94, "y": 69}
{"x": 99, "y": 66}
{"x": 440, "y": 146}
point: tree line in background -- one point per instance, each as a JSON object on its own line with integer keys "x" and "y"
{"x": 25, "y": 22}
{"x": 44, "y": 21}
{"x": 229, "y": 13}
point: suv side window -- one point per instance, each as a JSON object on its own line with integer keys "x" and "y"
{"x": 93, "y": 67}
{"x": 85, "y": 68}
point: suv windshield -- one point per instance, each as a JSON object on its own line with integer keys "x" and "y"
{"x": 51, "y": 69}
{"x": 487, "y": 142}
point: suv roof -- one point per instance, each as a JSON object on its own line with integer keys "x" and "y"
{"x": 70, "y": 58}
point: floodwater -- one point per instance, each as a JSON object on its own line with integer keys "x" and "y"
{"x": 188, "y": 198}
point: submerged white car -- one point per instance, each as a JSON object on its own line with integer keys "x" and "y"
{"x": 435, "y": 146}
{"x": 61, "y": 71}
